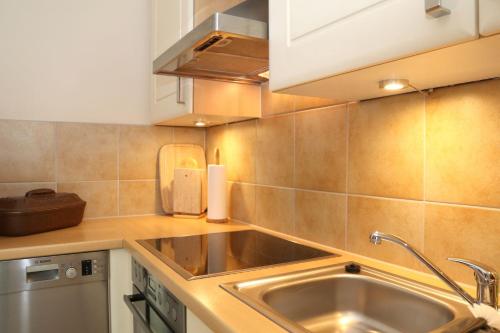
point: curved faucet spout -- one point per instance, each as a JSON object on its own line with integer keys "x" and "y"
{"x": 377, "y": 237}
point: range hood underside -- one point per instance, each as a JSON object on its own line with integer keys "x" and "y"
{"x": 224, "y": 47}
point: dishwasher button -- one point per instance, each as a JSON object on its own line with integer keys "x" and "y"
{"x": 71, "y": 273}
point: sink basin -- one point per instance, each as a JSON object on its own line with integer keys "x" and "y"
{"x": 331, "y": 300}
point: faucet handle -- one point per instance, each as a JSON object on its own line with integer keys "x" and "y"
{"x": 486, "y": 279}
{"x": 484, "y": 273}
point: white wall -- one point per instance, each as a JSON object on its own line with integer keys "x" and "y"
{"x": 75, "y": 60}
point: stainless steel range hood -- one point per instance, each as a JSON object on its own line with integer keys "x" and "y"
{"x": 230, "y": 46}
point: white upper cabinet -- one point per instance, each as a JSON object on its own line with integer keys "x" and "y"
{"x": 171, "y": 97}
{"x": 489, "y": 17}
{"x": 311, "y": 40}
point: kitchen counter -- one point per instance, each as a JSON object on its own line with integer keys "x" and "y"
{"x": 218, "y": 309}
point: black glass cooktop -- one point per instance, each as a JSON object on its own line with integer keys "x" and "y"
{"x": 208, "y": 255}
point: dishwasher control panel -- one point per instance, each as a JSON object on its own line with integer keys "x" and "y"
{"x": 84, "y": 268}
{"x": 51, "y": 271}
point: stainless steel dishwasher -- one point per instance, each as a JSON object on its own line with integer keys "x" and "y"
{"x": 65, "y": 293}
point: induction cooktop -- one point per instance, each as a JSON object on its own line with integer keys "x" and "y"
{"x": 207, "y": 255}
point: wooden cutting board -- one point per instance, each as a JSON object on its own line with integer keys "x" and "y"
{"x": 179, "y": 156}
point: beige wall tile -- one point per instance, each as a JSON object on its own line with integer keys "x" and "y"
{"x": 242, "y": 202}
{"x": 401, "y": 218}
{"x": 469, "y": 233}
{"x": 320, "y": 149}
{"x": 139, "y": 198}
{"x": 386, "y": 146}
{"x": 87, "y": 152}
{"x": 463, "y": 144}
{"x": 195, "y": 136}
{"x": 101, "y": 196}
{"x": 27, "y": 150}
{"x": 274, "y": 208}
{"x": 240, "y": 151}
{"x": 20, "y": 189}
{"x": 275, "y": 103}
{"x": 216, "y": 145}
{"x": 139, "y": 147}
{"x": 321, "y": 217}
{"x": 274, "y": 154}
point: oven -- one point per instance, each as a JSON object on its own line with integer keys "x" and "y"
{"x": 154, "y": 308}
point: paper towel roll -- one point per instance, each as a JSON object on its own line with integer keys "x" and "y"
{"x": 217, "y": 207}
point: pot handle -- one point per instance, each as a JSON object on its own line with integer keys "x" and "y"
{"x": 40, "y": 192}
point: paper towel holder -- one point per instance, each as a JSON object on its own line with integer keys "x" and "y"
{"x": 217, "y": 194}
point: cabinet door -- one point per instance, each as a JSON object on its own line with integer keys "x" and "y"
{"x": 171, "y": 96}
{"x": 489, "y": 17}
{"x": 194, "y": 324}
{"x": 310, "y": 40}
{"x": 120, "y": 283}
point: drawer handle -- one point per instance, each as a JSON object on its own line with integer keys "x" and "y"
{"x": 435, "y": 8}
{"x": 180, "y": 92}
{"x": 130, "y": 300}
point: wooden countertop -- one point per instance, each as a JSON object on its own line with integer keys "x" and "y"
{"x": 217, "y": 308}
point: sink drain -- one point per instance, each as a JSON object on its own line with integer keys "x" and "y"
{"x": 353, "y": 268}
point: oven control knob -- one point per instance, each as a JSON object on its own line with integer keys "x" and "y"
{"x": 71, "y": 273}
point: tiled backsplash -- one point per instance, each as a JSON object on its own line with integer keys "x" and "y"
{"x": 426, "y": 168}
{"x": 112, "y": 167}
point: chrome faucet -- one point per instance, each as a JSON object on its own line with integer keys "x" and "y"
{"x": 486, "y": 277}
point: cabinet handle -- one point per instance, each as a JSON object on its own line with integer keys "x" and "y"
{"x": 180, "y": 91}
{"x": 138, "y": 316}
{"x": 435, "y": 8}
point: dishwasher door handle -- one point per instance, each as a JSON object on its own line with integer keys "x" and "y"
{"x": 130, "y": 300}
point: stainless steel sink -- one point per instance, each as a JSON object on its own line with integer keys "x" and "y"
{"x": 331, "y": 300}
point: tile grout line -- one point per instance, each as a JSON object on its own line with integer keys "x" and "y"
{"x": 255, "y": 149}
{"x": 424, "y": 174}
{"x": 56, "y": 167}
{"x": 294, "y": 156}
{"x": 85, "y": 181}
{"x": 118, "y": 170}
{"x": 374, "y": 197}
{"x": 290, "y": 188}
{"x": 426, "y": 202}
{"x": 29, "y": 182}
{"x": 494, "y": 209}
{"x": 255, "y": 178}
{"x": 91, "y": 181}
{"x": 346, "y": 220}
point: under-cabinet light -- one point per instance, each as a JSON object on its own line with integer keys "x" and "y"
{"x": 393, "y": 84}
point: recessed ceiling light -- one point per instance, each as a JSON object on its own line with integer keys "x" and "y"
{"x": 394, "y": 84}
